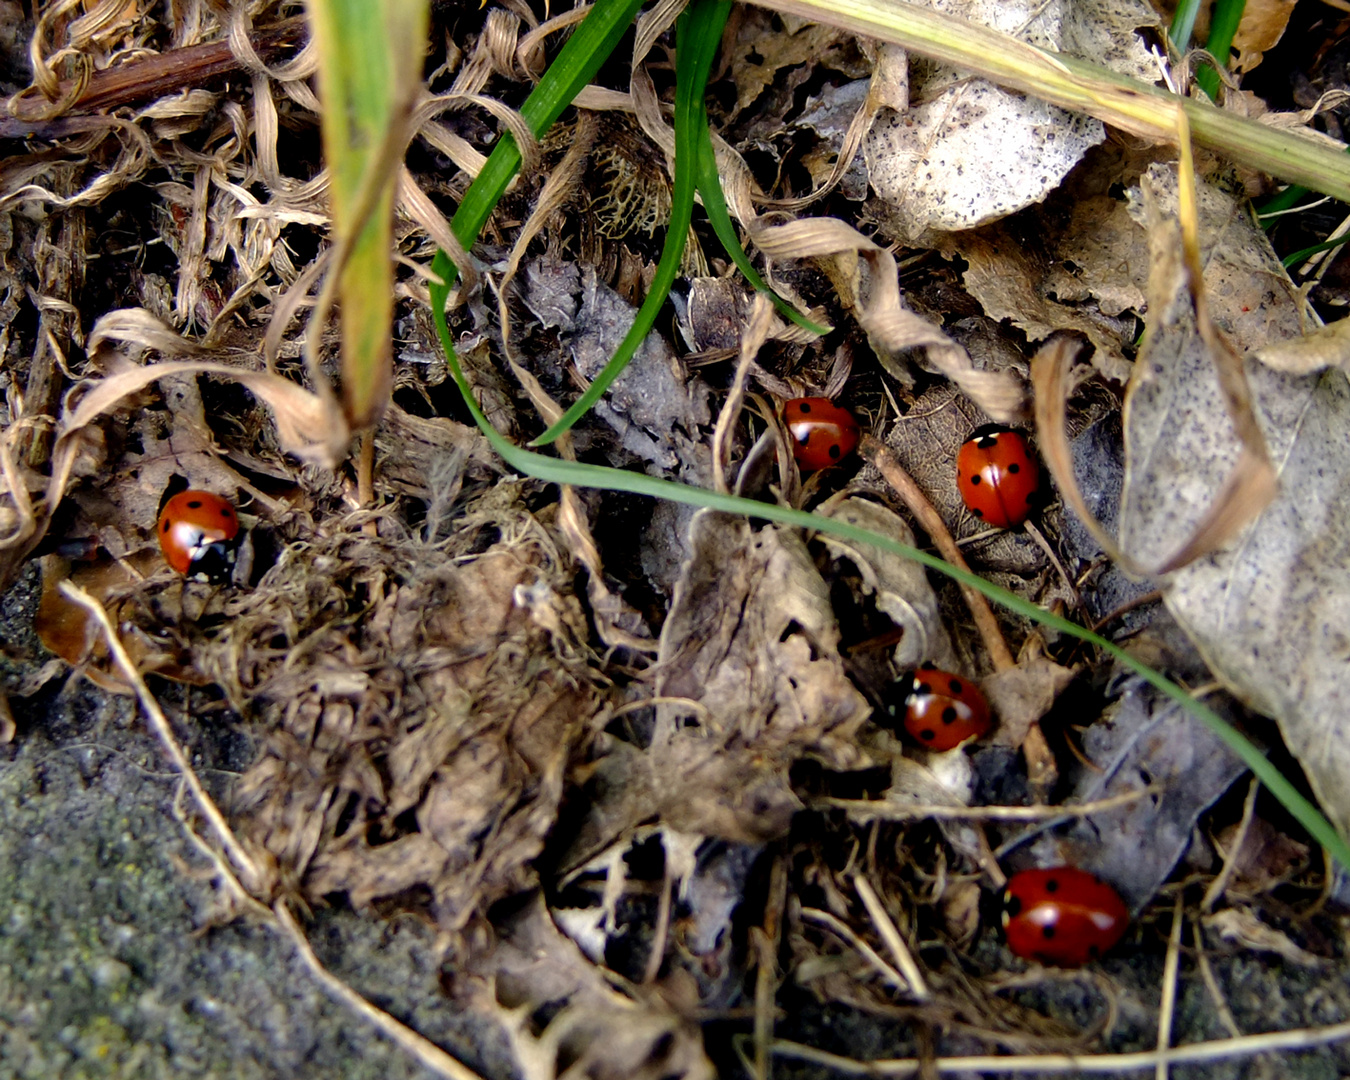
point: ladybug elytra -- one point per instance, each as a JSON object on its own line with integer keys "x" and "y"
{"x": 823, "y": 433}
{"x": 198, "y": 533}
{"x": 997, "y": 475}
{"x": 1062, "y": 916}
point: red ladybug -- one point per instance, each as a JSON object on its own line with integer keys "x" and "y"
{"x": 943, "y": 710}
{"x": 1062, "y": 916}
{"x": 823, "y": 433}
{"x": 997, "y": 476}
{"x": 198, "y": 533}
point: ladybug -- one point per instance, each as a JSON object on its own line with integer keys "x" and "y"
{"x": 823, "y": 433}
{"x": 997, "y": 476}
{"x": 943, "y": 710}
{"x": 198, "y": 533}
{"x": 1062, "y": 916}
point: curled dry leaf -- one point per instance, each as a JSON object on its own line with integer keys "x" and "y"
{"x": 899, "y": 587}
{"x": 1263, "y": 24}
{"x": 751, "y": 636}
{"x": 1270, "y": 613}
{"x": 1173, "y": 513}
{"x": 866, "y": 278}
{"x": 1189, "y": 399}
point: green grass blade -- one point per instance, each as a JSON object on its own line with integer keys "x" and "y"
{"x": 1227, "y": 16}
{"x": 574, "y": 67}
{"x": 1326, "y": 245}
{"x": 1183, "y": 24}
{"x": 366, "y": 54}
{"x": 715, "y": 203}
{"x": 557, "y": 471}
{"x": 695, "y": 49}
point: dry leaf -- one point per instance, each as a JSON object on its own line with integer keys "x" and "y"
{"x": 1263, "y": 24}
{"x": 969, "y": 152}
{"x": 751, "y": 637}
{"x": 1270, "y": 613}
{"x": 865, "y": 276}
{"x": 899, "y": 587}
{"x": 1144, "y": 741}
{"x": 1189, "y": 400}
{"x": 585, "y": 1026}
{"x": 1022, "y": 695}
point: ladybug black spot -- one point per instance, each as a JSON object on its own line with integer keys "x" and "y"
{"x": 975, "y": 479}
{"x": 949, "y": 715}
{"x": 956, "y": 686}
{"x": 978, "y": 513}
{"x": 194, "y": 504}
{"x": 805, "y": 406}
{"x": 226, "y": 513}
{"x": 922, "y": 688}
{"x": 1051, "y": 885}
{"x": 1013, "y": 905}
{"x": 1047, "y": 932}
{"x": 835, "y": 452}
{"x": 167, "y": 525}
{"x": 1014, "y": 468}
{"x": 928, "y": 734}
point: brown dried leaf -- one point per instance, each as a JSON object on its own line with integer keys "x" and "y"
{"x": 463, "y": 685}
{"x": 899, "y": 587}
{"x": 1023, "y": 694}
{"x": 598, "y": 1031}
{"x": 1263, "y": 24}
{"x": 751, "y": 637}
{"x": 867, "y": 280}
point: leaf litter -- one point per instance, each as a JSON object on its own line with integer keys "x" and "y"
{"x": 442, "y": 723}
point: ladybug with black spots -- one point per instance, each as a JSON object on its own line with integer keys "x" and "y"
{"x": 1062, "y": 916}
{"x": 199, "y": 535}
{"x": 998, "y": 477}
{"x": 943, "y": 710}
{"x": 823, "y": 433}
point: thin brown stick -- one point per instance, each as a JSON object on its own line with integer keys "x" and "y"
{"x": 1168, "y": 1007}
{"x": 1230, "y": 857}
{"x": 1211, "y": 983}
{"x": 766, "y": 942}
{"x": 883, "y": 457}
{"x": 890, "y": 934}
{"x": 884, "y": 811}
{"x": 154, "y": 76}
{"x": 1214, "y": 1050}
{"x": 255, "y": 880}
